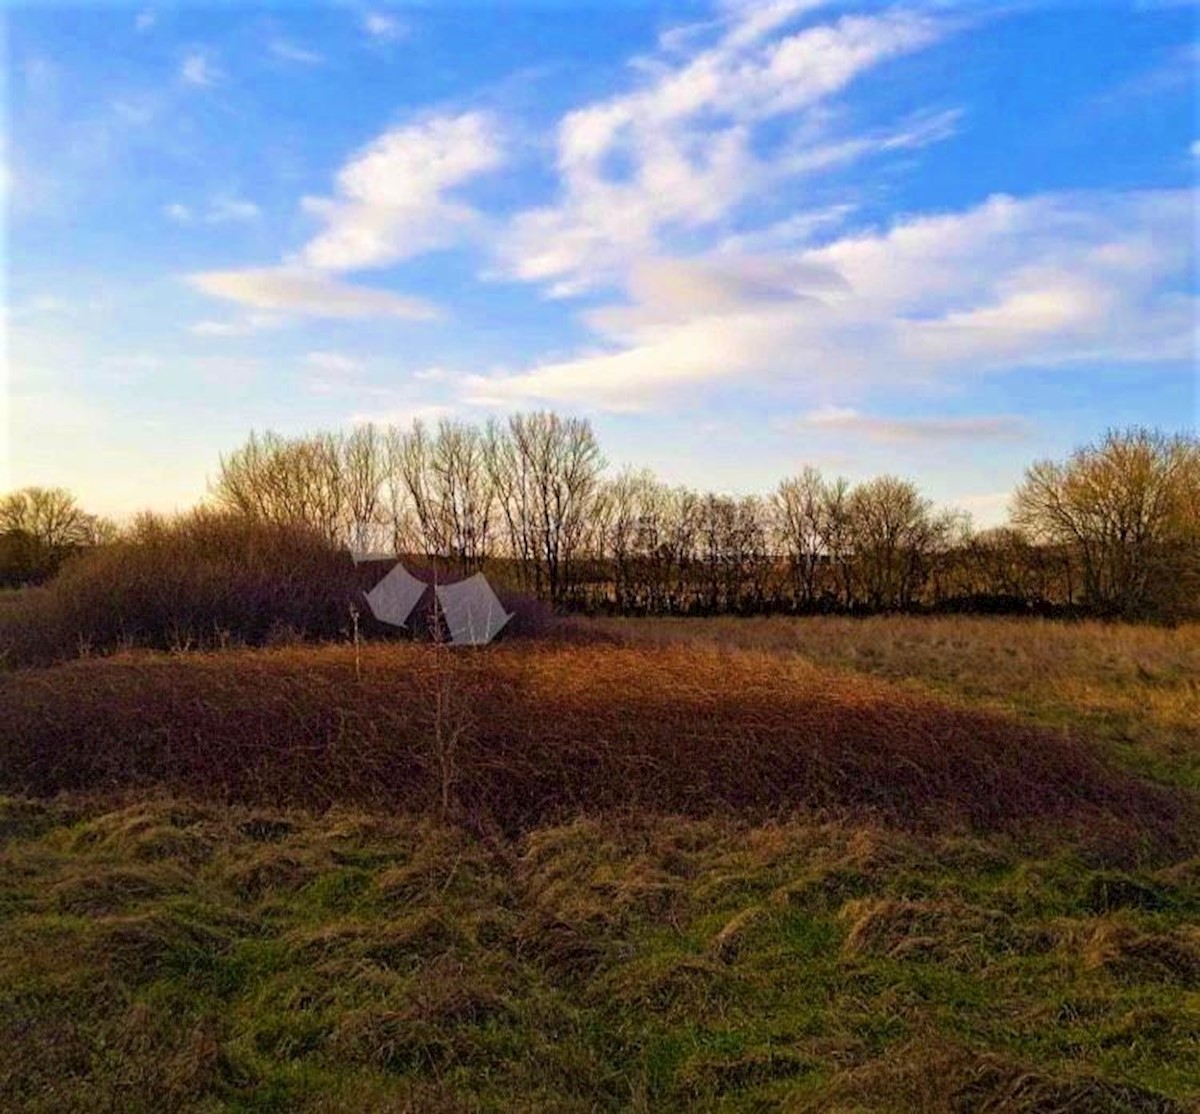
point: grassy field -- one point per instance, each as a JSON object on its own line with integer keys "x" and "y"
{"x": 748, "y": 865}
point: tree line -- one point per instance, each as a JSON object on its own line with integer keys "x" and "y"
{"x": 1114, "y": 529}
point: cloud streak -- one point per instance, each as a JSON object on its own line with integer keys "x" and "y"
{"x": 1002, "y": 427}
{"x": 197, "y": 69}
{"x": 293, "y": 290}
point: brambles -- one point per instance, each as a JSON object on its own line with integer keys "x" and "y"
{"x": 529, "y": 733}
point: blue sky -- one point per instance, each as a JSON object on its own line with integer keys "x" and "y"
{"x": 930, "y": 238}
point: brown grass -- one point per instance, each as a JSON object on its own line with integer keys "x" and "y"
{"x": 559, "y": 731}
{"x": 1135, "y": 685}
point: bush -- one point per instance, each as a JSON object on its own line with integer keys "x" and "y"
{"x": 203, "y": 579}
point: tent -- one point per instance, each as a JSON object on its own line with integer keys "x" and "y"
{"x": 392, "y": 600}
{"x": 473, "y": 613}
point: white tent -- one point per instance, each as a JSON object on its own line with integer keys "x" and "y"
{"x": 473, "y": 613}
{"x": 392, "y": 600}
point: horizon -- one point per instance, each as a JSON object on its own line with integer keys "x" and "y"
{"x": 939, "y": 240}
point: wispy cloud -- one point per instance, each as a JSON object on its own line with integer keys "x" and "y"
{"x": 1047, "y": 280}
{"x": 289, "y": 52}
{"x": 1003, "y": 427}
{"x": 680, "y": 151}
{"x": 145, "y": 20}
{"x": 198, "y": 69}
{"x": 383, "y": 27}
{"x": 219, "y": 210}
{"x": 237, "y": 327}
{"x": 393, "y": 201}
{"x": 333, "y": 361}
{"x": 294, "y": 290}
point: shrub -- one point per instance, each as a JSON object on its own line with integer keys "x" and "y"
{"x": 203, "y": 579}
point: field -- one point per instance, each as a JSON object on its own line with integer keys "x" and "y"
{"x": 819, "y": 864}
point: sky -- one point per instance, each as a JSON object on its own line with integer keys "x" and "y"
{"x": 929, "y": 238}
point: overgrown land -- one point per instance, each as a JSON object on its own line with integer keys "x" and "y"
{"x": 756, "y": 864}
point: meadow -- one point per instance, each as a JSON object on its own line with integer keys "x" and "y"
{"x": 744, "y": 864}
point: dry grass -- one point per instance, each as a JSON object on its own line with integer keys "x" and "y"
{"x": 559, "y": 730}
{"x": 1136, "y": 686}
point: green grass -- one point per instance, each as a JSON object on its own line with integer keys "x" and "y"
{"x": 170, "y": 956}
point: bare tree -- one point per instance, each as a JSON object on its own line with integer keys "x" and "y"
{"x": 1128, "y": 507}
{"x": 798, "y": 511}
{"x": 511, "y": 477}
{"x": 549, "y": 469}
{"x": 363, "y": 458}
{"x": 895, "y": 533}
{"x": 51, "y": 517}
{"x": 39, "y": 528}
{"x": 837, "y": 537}
{"x": 297, "y": 481}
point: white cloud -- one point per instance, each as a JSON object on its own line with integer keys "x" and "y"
{"x": 1046, "y": 280}
{"x": 223, "y": 210}
{"x": 145, "y": 20}
{"x": 290, "y": 52}
{"x": 295, "y": 290}
{"x": 383, "y": 27}
{"x": 392, "y": 200}
{"x": 178, "y": 212}
{"x": 681, "y": 151}
{"x": 196, "y": 69}
{"x": 796, "y": 230}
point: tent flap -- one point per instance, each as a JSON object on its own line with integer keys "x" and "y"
{"x": 392, "y": 600}
{"x": 473, "y": 612}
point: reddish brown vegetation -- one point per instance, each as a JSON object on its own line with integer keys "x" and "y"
{"x": 544, "y": 731}
{"x": 200, "y": 580}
